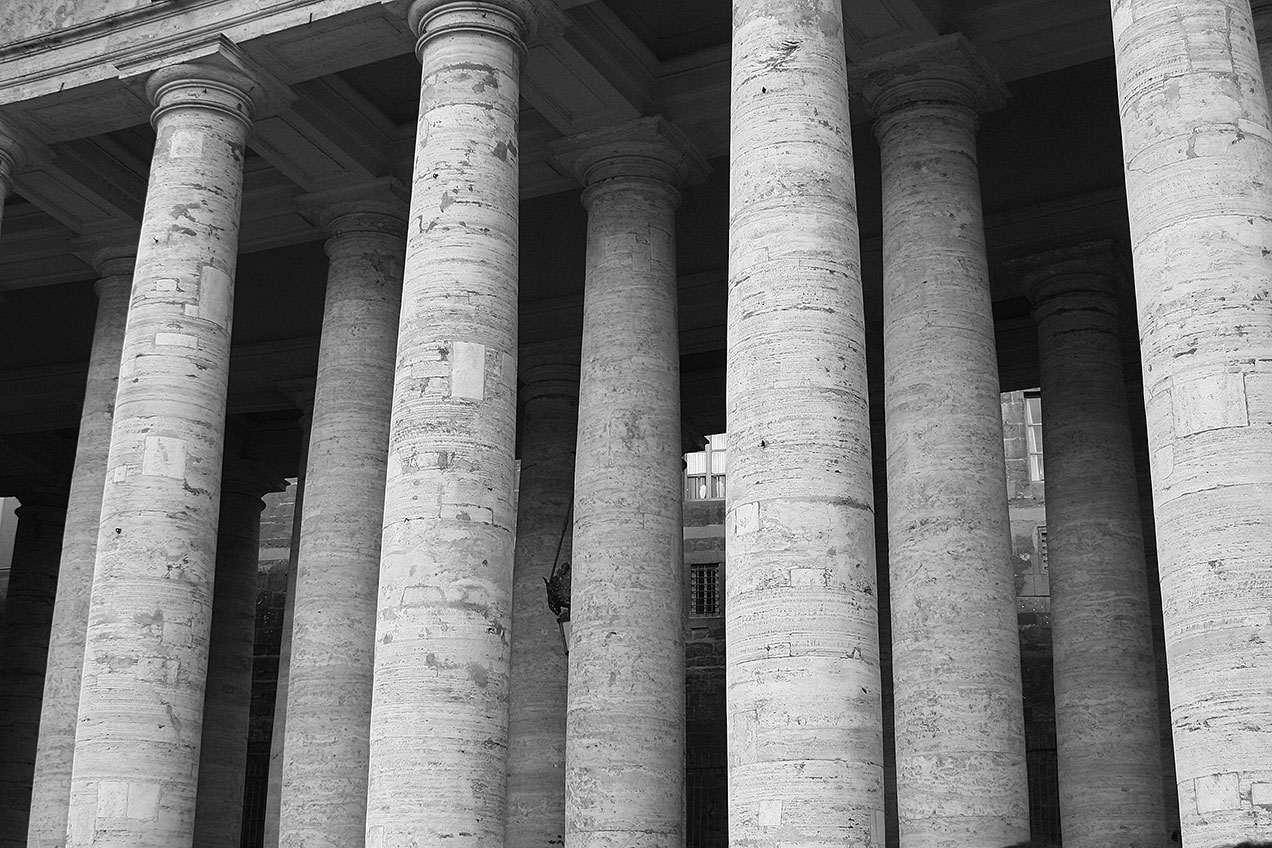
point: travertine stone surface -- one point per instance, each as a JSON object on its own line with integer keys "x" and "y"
{"x": 24, "y": 645}
{"x": 956, "y": 658}
{"x": 804, "y": 729}
{"x": 439, "y": 715}
{"x": 324, "y": 776}
{"x": 141, "y": 703}
{"x": 305, "y": 400}
{"x": 1198, "y": 154}
{"x": 227, "y": 703}
{"x": 1105, "y": 682}
{"x": 52, "y": 789}
{"x": 625, "y": 720}
{"x": 549, "y": 376}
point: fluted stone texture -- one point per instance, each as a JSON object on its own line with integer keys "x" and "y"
{"x": 52, "y": 788}
{"x": 956, "y": 657}
{"x": 227, "y": 703}
{"x": 278, "y": 730}
{"x": 1198, "y": 156}
{"x": 324, "y": 776}
{"x": 802, "y": 673}
{"x": 549, "y": 377}
{"x": 24, "y": 646}
{"x": 1110, "y": 773}
{"x": 141, "y": 703}
{"x": 625, "y": 721}
{"x": 439, "y": 714}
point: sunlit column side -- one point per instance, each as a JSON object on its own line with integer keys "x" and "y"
{"x": 141, "y": 701}
{"x": 956, "y": 656}
{"x": 51, "y": 791}
{"x": 802, "y": 670}
{"x": 625, "y": 721}
{"x": 324, "y": 775}
{"x": 439, "y": 714}
{"x": 1198, "y": 157}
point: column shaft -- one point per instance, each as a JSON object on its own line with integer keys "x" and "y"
{"x": 24, "y": 647}
{"x": 537, "y": 690}
{"x": 1105, "y": 681}
{"x": 625, "y": 731}
{"x": 324, "y": 777}
{"x": 1198, "y": 155}
{"x": 804, "y": 727}
{"x": 227, "y": 704}
{"x": 278, "y": 728}
{"x": 439, "y": 715}
{"x": 956, "y": 658}
{"x": 141, "y": 703}
{"x": 52, "y": 788}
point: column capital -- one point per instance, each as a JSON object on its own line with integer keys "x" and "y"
{"x": 217, "y": 88}
{"x": 112, "y": 254}
{"x": 249, "y": 478}
{"x": 945, "y": 70}
{"x": 549, "y": 369}
{"x": 1087, "y": 270}
{"x": 43, "y": 495}
{"x": 380, "y": 207}
{"x": 646, "y": 147}
{"x": 515, "y": 20}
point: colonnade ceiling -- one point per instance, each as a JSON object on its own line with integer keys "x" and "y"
{"x": 342, "y": 89}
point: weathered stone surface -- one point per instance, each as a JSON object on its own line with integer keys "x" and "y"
{"x": 24, "y": 645}
{"x": 1198, "y": 156}
{"x": 304, "y": 398}
{"x": 439, "y": 715}
{"x": 227, "y": 702}
{"x": 625, "y": 725}
{"x": 332, "y": 647}
{"x": 9, "y": 157}
{"x": 537, "y": 695}
{"x": 1105, "y": 683}
{"x": 805, "y": 735}
{"x": 956, "y": 659}
{"x": 141, "y": 703}
{"x": 52, "y": 788}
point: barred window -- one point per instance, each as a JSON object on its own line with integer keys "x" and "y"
{"x": 705, "y": 593}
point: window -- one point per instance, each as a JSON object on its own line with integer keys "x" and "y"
{"x": 1041, "y": 546}
{"x": 704, "y": 470}
{"x": 704, "y": 589}
{"x": 1033, "y": 435}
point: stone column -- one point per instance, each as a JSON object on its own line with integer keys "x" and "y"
{"x": 24, "y": 647}
{"x": 804, "y": 726}
{"x": 52, "y": 788}
{"x": 278, "y": 730}
{"x": 1105, "y": 681}
{"x": 439, "y": 715}
{"x": 10, "y": 159}
{"x": 1198, "y": 153}
{"x": 324, "y": 778}
{"x": 625, "y": 724}
{"x": 956, "y": 655}
{"x": 141, "y": 704}
{"x": 227, "y": 703}
{"x": 537, "y": 693}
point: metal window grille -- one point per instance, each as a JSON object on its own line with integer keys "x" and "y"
{"x": 704, "y": 589}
